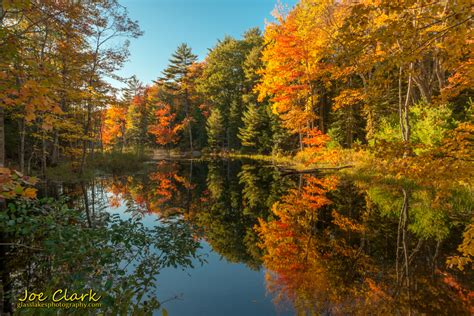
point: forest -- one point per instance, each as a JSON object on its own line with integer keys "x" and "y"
{"x": 380, "y": 91}
{"x": 325, "y": 75}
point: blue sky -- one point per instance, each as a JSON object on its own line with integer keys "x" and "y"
{"x": 167, "y": 23}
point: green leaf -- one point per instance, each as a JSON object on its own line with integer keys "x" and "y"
{"x": 164, "y": 312}
{"x": 108, "y": 284}
{"x": 18, "y": 189}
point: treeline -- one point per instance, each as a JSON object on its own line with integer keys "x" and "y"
{"x": 195, "y": 105}
{"x": 324, "y": 73}
{"x": 364, "y": 73}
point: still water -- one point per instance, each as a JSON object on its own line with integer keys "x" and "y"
{"x": 217, "y": 287}
{"x": 274, "y": 244}
{"x": 231, "y": 281}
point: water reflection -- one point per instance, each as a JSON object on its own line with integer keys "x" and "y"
{"x": 334, "y": 250}
{"x": 327, "y": 244}
{"x": 119, "y": 259}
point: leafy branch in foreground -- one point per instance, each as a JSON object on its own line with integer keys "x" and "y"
{"x": 53, "y": 246}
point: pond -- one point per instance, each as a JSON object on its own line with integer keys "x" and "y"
{"x": 241, "y": 238}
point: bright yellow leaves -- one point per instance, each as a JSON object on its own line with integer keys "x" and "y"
{"x": 34, "y": 100}
{"x": 466, "y": 248}
{"x": 293, "y": 53}
{"x": 113, "y": 130}
{"x": 348, "y": 97}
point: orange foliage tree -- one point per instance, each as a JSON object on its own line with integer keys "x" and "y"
{"x": 296, "y": 73}
{"x": 114, "y": 127}
{"x": 308, "y": 259}
{"x": 165, "y": 129}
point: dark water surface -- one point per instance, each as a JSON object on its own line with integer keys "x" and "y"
{"x": 284, "y": 245}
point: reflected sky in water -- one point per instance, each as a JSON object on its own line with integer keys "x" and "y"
{"x": 322, "y": 244}
{"x": 218, "y": 287}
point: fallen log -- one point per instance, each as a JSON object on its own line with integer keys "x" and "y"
{"x": 288, "y": 171}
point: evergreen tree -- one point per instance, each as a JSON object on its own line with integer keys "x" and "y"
{"x": 221, "y": 85}
{"x": 179, "y": 64}
{"x": 347, "y": 125}
{"x": 227, "y": 82}
{"x": 215, "y": 129}
{"x": 255, "y": 132}
{"x": 176, "y": 80}
{"x": 134, "y": 87}
{"x": 282, "y": 140}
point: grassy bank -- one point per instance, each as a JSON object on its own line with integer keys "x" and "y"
{"x": 277, "y": 160}
{"x": 301, "y": 161}
{"x": 411, "y": 172}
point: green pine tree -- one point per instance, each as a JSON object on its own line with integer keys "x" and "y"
{"x": 175, "y": 78}
{"x": 254, "y": 134}
{"x": 178, "y": 66}
{"x": 215, "y": 129}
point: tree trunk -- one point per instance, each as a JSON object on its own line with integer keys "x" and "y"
{"x": 124, "y": 139}
{"x": 2, "y": 136}
{"x": 21, "y": 127}
{"x": 28, "y": 169}
{"x": 300, "y": 139}
{"x": 404, "y": 107}
{"x": 190, "y": 139}
{"x": 55, "y": 155}
{"x": 228, "y": 138}
{"x": 407, "y": 105}
{"x": 92, "y": 148}
{"x": 83, "y": 157}
{"x": 400, "y": 104}
{"x": 86, "y": 135}
{"x": 2, "y": 114}
{"x": 188, "y": 116}
{"x": 321, "y": 116}
{"x": 43, "y": 155}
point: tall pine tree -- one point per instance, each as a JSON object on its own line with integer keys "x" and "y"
{"x": 255, "y": 134}
{"x": 176, "y": 81}
{"x": 215, "y": 129}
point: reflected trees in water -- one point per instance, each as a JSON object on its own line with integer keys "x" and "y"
{"x": 328, "y": 244}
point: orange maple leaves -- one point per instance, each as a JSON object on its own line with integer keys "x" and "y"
{"x": 165, "y": 129}
{"x": 295, "y": 47}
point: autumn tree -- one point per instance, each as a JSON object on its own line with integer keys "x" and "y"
{"x": 53, "y": 79}
{"x": 400, "y": 55}
{"x": 115, "y": 128}
{"x": 297, "y": 68}
{"x": 112, "y": 23}
{"x": 164, "y": 127}
{"x": 177, "y": 80}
